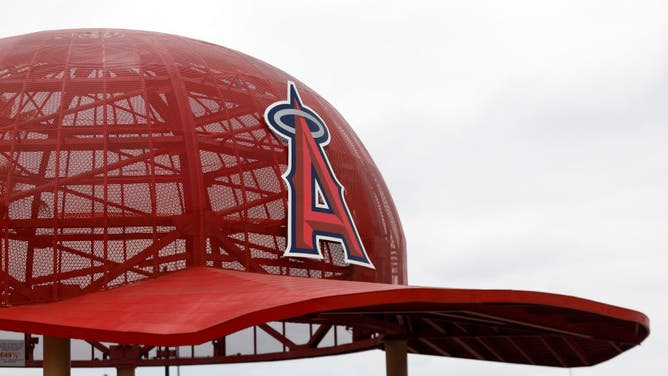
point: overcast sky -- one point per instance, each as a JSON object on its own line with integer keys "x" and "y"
{"x": 525, "y": 142}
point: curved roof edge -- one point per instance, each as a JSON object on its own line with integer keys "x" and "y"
{"x": 199, "y": 304}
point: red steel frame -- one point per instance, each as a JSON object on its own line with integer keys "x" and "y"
{"x": 104, "y": 354}
{"x": 124, "y": 155}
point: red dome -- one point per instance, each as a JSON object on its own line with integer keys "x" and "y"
{"x": 127, "y": 154}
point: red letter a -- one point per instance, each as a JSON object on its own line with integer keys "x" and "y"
{"x": 317, "y": 208}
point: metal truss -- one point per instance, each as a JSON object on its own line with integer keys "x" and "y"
{"x": 265, "y": 342}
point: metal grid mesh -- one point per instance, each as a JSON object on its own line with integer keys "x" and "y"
{"x": 127, "y": 154}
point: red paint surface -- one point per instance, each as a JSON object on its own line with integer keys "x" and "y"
{"x": 198, "y": 304}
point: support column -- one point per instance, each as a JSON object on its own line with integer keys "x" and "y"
{"x": 396, "y": 360}
{"x": 56, "y": 356}
{"x": 125, "y": 371}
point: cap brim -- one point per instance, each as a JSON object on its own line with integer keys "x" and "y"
{"x": 199, "y": 304}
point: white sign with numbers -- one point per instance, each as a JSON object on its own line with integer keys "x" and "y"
{"x": 12, "y": 353}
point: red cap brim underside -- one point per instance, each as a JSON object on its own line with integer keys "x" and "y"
{"x": 199, "y": 304}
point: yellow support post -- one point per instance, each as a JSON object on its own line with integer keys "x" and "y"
{"x": 396, "y": 357}
{"x": 125, "y": 371}
{"x": 56, "y": 356}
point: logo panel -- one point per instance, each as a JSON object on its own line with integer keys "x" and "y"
{"x": 317, "y": 209}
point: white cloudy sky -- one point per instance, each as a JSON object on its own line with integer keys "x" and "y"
{"x": 525, "y": 142}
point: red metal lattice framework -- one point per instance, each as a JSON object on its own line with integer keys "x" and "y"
{"x": 127, "y": 154}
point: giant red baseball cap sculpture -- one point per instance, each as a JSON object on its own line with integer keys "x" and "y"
{"x": 159, "y": 191}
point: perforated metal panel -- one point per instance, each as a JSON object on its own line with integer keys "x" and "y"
{"x": 127, "y": 154}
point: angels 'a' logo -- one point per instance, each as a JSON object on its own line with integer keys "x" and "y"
{"x": 317, "y": 208}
